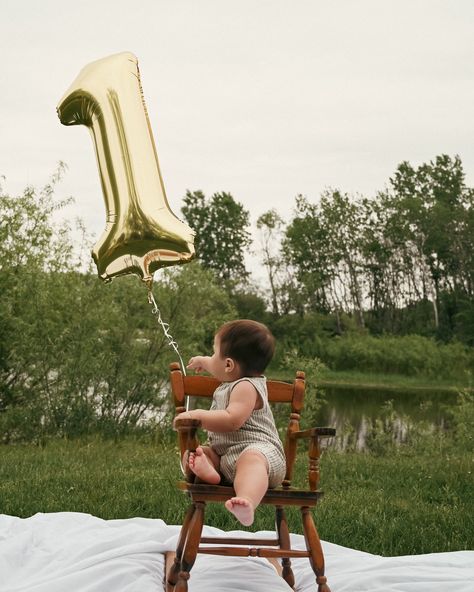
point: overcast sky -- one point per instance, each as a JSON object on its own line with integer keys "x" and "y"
{"x": 265, "y": 99}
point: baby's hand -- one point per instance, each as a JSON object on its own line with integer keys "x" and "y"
{"x": 184, "y": 415}
{"x": 196, "y": 364}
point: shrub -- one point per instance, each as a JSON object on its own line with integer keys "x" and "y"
{"x": 410, "y": 355}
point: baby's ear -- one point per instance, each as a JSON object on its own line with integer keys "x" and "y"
{"x": 229, "y": 365}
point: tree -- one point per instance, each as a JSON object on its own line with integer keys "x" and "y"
{"x": 271, "y": 226}
{"x": 431, "y": 209}
{"x": 343, "y": 219}
{"x": 403, "y": 261}
{"x": 323, "y": 244}
{"x": 222, "y": 235}
{"x": 306, "y": 249}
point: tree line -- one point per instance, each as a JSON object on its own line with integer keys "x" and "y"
{"x": 400, "y": 262}
{"x": 78, "y": 356}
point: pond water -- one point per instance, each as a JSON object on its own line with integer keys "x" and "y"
{"x": 357, "y": 412}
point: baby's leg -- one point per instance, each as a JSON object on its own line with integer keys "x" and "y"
{"x": 250, "y": 484}
{"x": 204, "y": 463}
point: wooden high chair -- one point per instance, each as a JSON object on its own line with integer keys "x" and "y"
{"x": 190, "y": 539}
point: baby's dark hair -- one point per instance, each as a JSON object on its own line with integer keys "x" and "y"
{"x": 249, "y": 343}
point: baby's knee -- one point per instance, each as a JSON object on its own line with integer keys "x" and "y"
{"x": 251, "y": 455}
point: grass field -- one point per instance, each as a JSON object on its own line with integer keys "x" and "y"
{"x": 395, "y": 382}
{"x": 403, "y": 502}
{"x": 368, "y": 380}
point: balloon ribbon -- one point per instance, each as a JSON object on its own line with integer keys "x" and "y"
{"x": 171, "y": 342}
{"x": 165, "y": 326}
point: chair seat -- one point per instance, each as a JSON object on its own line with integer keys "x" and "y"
{"x": 280, "y": 496}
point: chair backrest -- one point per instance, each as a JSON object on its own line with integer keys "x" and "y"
{"x": 278, "y": 392}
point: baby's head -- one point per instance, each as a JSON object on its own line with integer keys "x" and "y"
{"x": 248, "y": 343}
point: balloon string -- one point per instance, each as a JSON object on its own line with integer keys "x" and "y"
{"x": 165, "y": 326}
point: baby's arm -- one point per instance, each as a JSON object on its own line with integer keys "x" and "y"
{"x": 243, "y": 399}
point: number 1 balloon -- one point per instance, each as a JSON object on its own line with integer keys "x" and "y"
{"x": 142, "y": 234}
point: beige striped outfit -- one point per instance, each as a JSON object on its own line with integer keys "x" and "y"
{"x": 258, "y": 433}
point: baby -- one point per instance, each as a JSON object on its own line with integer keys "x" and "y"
{"x": 244, "y": 445}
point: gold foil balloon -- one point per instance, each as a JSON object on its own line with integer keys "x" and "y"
{"x": 142, "y": 234}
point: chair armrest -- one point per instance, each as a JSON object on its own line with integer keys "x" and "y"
{"x": 312, "y": 432}
{"x": 182, "y": 424}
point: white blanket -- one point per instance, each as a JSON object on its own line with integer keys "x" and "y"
{"x": 72, "y": 552}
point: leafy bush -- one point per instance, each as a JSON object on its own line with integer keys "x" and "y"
{"x": 410, "y": 355}
{"x": 80, "y": 356}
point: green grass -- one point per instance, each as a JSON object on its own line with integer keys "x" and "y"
{"x": 392, "y": 381}
{"x": 380, "y": 381}
{"x": 397, "y": 504}
{"x": 107, "y": 479}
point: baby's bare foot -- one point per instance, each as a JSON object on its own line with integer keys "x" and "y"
{"x": 201, "y": 466}
{"x": 242, "y": 509}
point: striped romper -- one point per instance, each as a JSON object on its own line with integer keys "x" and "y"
{"x": 258, "y": 433}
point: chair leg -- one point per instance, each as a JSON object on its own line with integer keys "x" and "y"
{"x": 190, "y": 546}
{"x": 174, "y": 570}
{"x": 284, "y": 541}
{"x": 313, "y": 545}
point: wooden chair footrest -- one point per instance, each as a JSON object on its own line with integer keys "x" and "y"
{"x": 203, "y": 492}
{"x": 239, "y": 541}
{"x": 252, "y": 552}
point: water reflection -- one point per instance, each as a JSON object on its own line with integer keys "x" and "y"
{"x": 360, "y": 415}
